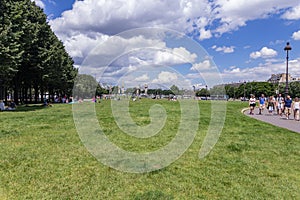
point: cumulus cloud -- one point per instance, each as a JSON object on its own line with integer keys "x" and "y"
{"x": 224, "y": 49}
{"x": 235, "y": 13}
{"x": 92, "y": 22}
{"x": 110, "y": 17}
{"x": 262, "y": 72}
{"x": 174, "y": 56}
{"x": 205, "y": 65}
{"x": 207, "y": 18}
{"x": 296, "y": 35}
{"x": 292, "y": 14}
{"x": 165, "y": 77}
{"x": 265, "y": 52}
{"x": 39, "y": 3}
{"x": 120, "y": 50}
{"x": 142, "y": 78}
{"x": 129, "y": 58}
{"x": 205, "y": 34}
{"x": 79, "y": 45}
{"x": 169, "y": 78}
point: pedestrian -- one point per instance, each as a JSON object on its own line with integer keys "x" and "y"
{"x": 252, "y": 104}
{"x": 2, "y": 105}
{"x": 271, "y": 104}
{"x": 262, "y": 102}
{"x": 12, "y": 105}
{"x": 296, "y": 108}
{"x": 279, "y": 104}
{"x": 288, "y": 106}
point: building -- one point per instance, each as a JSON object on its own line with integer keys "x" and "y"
{"x": 280, "y": 78}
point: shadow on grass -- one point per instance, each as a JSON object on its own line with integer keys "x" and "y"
{"x": 28, "y": 108}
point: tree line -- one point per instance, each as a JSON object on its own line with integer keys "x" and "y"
{"x": 33, "y": 61}
{"x": 245, "y": 89}
{"x": 87, "y": 86}
{"x": 238, "y": 90}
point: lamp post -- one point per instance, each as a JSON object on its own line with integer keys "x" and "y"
{"x": 287, "y": 48}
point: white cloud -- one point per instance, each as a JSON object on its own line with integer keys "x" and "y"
{"x": 262, "y": 72}
{"x": 122, "y": 71}
{"x": 265, "y": 52}
{"x": 174, "y": 56}
{"x": 80, "y": 44}
{"x": 296, "y": 35}
{"x": 292, "y": 14}
{"x": 93, "y": 22}
{"x": 165, "y": 77}
{"x": 39, "y": 3}
{"x": 169, "y": 78}
{"x": 205, "y": 34}
{"x": 207, "y": 18}
{"x": 235, "y": 13}
{"x": 111, "y": 17}
{"x": 224, "y": 49}
{"x": 142, "y": 78}
{"x": 125, "y": 51}
{"x": 129, "y": 59}
{"x": 106, "y": 18}
{"x": 205, "y": 65}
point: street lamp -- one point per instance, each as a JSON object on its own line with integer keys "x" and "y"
{"x": 287, "y": 48}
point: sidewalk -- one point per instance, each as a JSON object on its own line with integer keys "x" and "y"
{"x": 276, "y": 120}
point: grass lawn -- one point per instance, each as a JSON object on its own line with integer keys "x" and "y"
{"x": 42, "y": 157}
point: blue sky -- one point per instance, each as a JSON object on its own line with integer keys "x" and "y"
{"x": 243, "y": 40}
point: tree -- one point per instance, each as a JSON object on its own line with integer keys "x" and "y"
{"x": 85, "y": 86}
{"x": 294, "y": 89}
{"x": 32, "y": 59}
{"x": 202, "y": 93}
{"x": 175, "y": 90}
{"x": 10, "y": 48}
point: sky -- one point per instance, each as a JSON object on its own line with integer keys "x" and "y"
{"x": 182, "y": 42}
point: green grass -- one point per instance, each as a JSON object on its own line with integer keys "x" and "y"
{"x": 42, "y": 157}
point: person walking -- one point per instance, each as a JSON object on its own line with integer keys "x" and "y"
{"x": 271, "y": 104}
{"x": 288, "y": 106}
{"x": 262, "y": 102}
{"x": 296, "y": 108}
{"x": 279, "y": 104}
{"x": 252, "y": 104}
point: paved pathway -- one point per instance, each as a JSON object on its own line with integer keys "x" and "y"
{"x": 276, "y": 120}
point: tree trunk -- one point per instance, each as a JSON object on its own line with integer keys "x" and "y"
{"x": 42, "y": 95}
{"x": 16, "y": 93}
{"x": 36, "y": 94}
{"x": 30, "y": 93}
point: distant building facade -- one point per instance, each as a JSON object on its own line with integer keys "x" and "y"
{"x": 281, "y": 78}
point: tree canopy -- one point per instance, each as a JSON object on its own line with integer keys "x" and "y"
{"x": 238, "y": 90}
{"x": 33, "y": 61}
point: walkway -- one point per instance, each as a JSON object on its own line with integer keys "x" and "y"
{"x": 276, "y": 120}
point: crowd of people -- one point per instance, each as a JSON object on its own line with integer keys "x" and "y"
{"x": 284, "y": 107}
{"x": 11, "y": 105}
